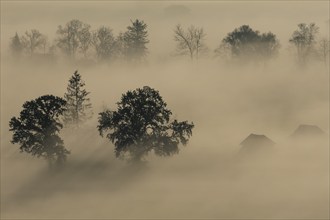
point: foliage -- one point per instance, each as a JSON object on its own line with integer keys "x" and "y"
{"x": 142, "y": 124}
{"x": 133, "y": 42}
{"x": 78, "y": 105}
{"x": 190, "y": 42}
{"x": 37, "y": 128}
{"x": 244, "y": 43}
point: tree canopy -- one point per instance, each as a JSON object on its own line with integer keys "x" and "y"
{"x": 141, "y": 124}
{"x": 37, "y": 129}
{"x": 244, "y": 43}
{"x": 134, "y": 41}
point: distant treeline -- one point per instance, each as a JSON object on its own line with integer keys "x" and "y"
{"x": 78, "y": 41}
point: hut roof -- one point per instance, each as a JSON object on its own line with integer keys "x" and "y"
{"x": 256, "y": 139}
{"x": 307, "y": 130}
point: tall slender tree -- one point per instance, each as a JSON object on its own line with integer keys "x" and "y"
{"x": 324, "y": 50}
{"x": 304, "y": 39}
{"x": 85, "y": 39}
{"x": 135, "y": 40}
{"x": 79, "y": 108}
{"x": 16, "y": 46}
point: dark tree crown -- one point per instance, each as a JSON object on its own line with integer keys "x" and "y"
{"x": 244, "y": 42}
{"x": 37, "y": 128}
{"x": 142, "y": 124}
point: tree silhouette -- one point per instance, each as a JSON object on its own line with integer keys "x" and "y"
{"x": 78, "y": 106}
{"x": 72, "y": 36}
{"x": 33, "y": 40}
{"x": 37, "y": 129}
{"x": 247, "y": 44}
{"x": 304, "y": 39}
{"x": 134, "y": 41}
{"x": 324, "y": 50}
{"x": 142, "y": 124}
{"x": 16, "y": 46}
{"x": 190, "y": 42}
{"x": 85, "y": 39}
{"x": 104, "y": 43}
{"x": 44, "y": 43}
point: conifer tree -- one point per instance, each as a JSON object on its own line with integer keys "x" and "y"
{"x": 16, "y": 46}
{"x": 79, "y": 108}
{"x": 134, "y": 41}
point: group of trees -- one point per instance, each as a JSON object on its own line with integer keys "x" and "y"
{"x": 29, "y": 43}
{"x": 305, "y": 41}
{"x": 246, "y": 44}
{"x": 77, "y": 39}
{"x": 38, "y": 126}
{"x": 141, "y": 124}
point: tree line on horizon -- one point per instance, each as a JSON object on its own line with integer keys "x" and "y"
{"x": 141, "y": 124}
{"x": 77, "y": 40}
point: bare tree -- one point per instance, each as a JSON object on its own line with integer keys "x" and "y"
{"x": 32, "y": 40}
{"x": 324, "y": 50}
{"x": 304, "y": 39}
{"x": 190, "y": 42}
{"x": 122, "y": 46}
{"x": 85, "y": 39}
{"x": 44, "y": 43}
{"x": 104, "y": 43}
{"x": 70, "y": 37}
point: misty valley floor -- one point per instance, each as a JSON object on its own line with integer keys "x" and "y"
{"x": 206, "y": 179}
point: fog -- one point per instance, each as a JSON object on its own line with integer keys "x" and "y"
{"x": 208, "y": 178}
